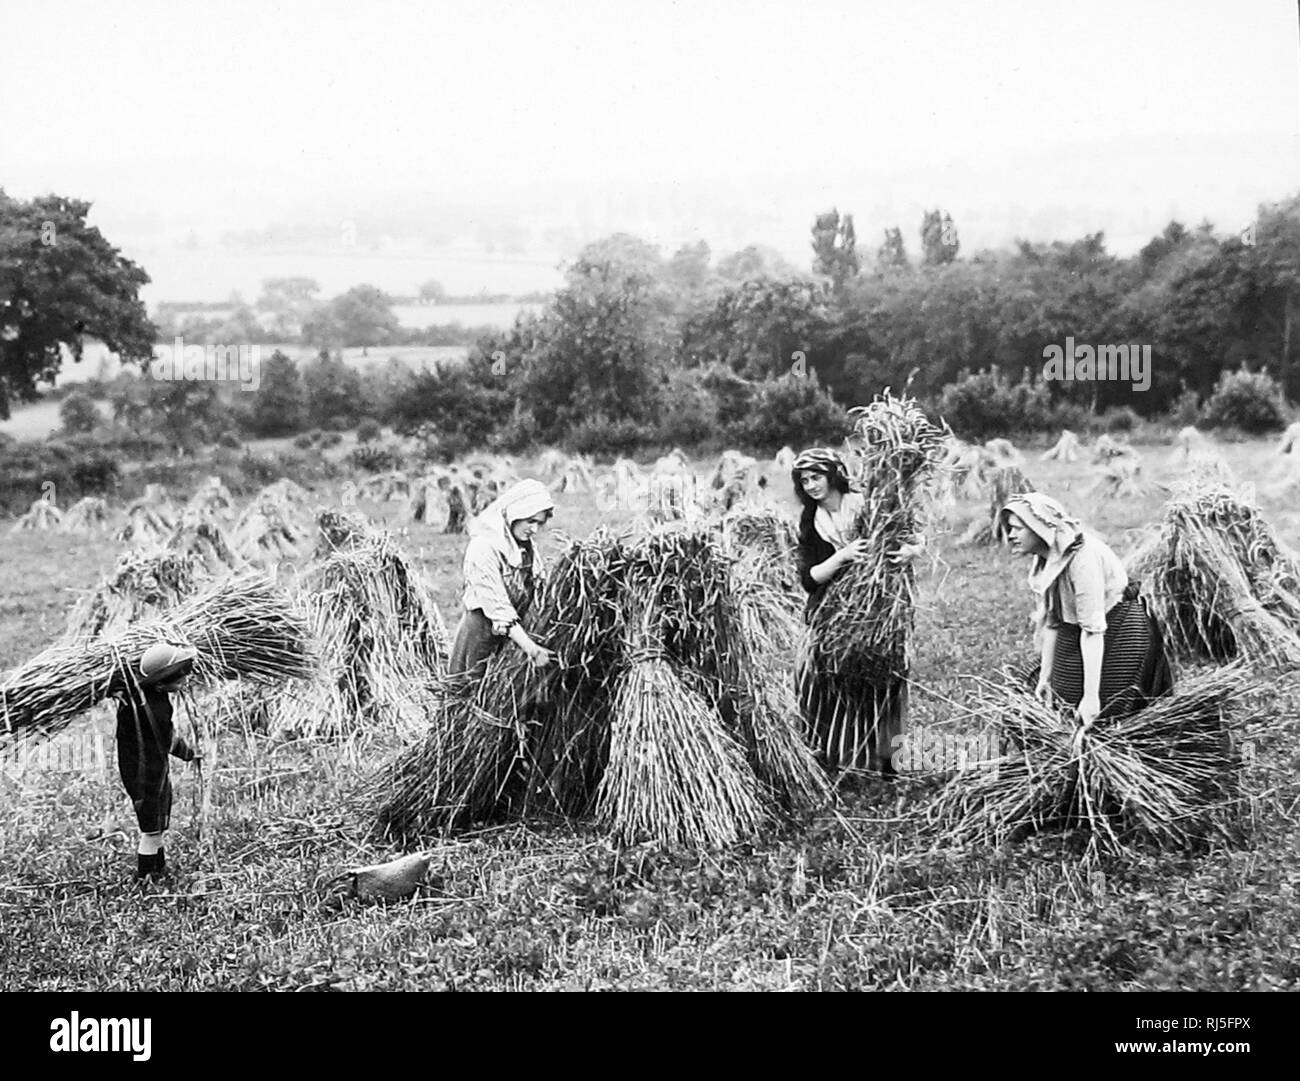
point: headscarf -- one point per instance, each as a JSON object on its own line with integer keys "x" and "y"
{"x": 519, "y": 501}
{"x": 822, "y": 460}
{"x": 1049, "y": 520}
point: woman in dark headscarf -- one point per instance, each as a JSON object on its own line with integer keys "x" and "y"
{"x": 851, "y": 722}
{"x": 1101, "y": 651}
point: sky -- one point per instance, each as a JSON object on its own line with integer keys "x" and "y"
{"x": 482, "y": 143}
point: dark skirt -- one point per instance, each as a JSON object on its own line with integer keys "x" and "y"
{"x": 474, "y": 644}
{"x": 851, "y": 723}
{"x": 1134, "y": 668}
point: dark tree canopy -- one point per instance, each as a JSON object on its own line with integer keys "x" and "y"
{"x": 60, "y": 282}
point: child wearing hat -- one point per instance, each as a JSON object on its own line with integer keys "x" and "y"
{"x": 145, "y": 739}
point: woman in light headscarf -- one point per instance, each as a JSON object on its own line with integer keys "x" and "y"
{"x": 852, "y": 723}
{"x": 1101, "y": 651}
{"x": 502, "y": 570}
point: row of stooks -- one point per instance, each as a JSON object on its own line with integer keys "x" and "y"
{"x": 670, "y": 714}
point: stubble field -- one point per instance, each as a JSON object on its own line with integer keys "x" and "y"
{"x": 855, "y": 897}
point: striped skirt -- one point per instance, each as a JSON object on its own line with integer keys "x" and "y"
{"x": 851, "y": 723}
{"x": 1134, "y": 668}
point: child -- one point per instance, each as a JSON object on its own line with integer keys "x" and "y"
{"x": 144, "y": 740}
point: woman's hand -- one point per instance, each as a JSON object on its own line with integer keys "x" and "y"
{"x": 905, "y": 553}
{"x": 1043, "y": 691}
{"x": 538, "y": 656}
{"x": 1088, "y": 709}
{"x": 852, "y": 552}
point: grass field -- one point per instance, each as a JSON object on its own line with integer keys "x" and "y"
{"x": 857, "y": 897}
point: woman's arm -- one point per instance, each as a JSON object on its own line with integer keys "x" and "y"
{"x": 1048, "y": 658}
{"x": 485, "y": 589}
{"x": 1092, "y": 646}
{"x": 823, "y": 572}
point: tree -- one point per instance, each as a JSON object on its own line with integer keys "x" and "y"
{"x": 432, "y": 292}
{"x": 752, "y": 263}
{"x": 834, "y": 245}
{"x": 290, "y": 301}
{"x": 60, "y": 282}
{"x": 78, "y": 413}
{"x": 333, "y": 392}
{"x": 279, "y": 406}
{"x": 939, "y": 244}
{"x": 892, "y": 255}
{"x": 363, "y": 316}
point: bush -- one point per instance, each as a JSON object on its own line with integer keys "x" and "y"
{"x": 303, "y": 442}
{"x": 229, "y": 440}
{"x": 1249, "y": 401}
{"x": 1120, "y": 419}
{"x": 608, "y": 438}
{"x": 368, "y": 431}
{"x": 373, "y": 459}
{"x": 986, "y": 405}
{"x": 78, "y": 413}
{"x": 330, "y": 439}
{"x": 688, "y": 410}
{"x": 75, "y": 470}
{"x": 793, "y": 411}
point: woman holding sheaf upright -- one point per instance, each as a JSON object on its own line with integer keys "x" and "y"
{"x": 852, "y": 722}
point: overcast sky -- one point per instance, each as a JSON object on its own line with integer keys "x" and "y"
{"x": 393, "y": 141}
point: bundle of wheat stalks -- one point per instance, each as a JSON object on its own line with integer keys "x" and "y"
{"x": 41, "y": 515}
{"x": 142, "y": 583}
{"x": 862, "y": 626}
{"x": 1167, "y": 774}
{"x": 88, "y": 513}
{"x": 768, "y": 537}
{"x": 149, "y": 519}
{"x": 380, "y": 638}
{"x": 1221, "y": 584}
{"x": 243, "y": 628}
{"x": 265, "y": 532}
{"x": 197, "y": 534}
{"x": 1007, "y": 481}
{"x": 670, "y": 713}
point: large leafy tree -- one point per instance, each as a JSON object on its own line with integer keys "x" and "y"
{"x": 60, "y": 282}
{"x": 363, "y": 316}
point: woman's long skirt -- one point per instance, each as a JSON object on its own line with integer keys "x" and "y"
{"x": 851, "y": 723}
{"x": 1134, "y": 668}
{"x": 473, "y": 645}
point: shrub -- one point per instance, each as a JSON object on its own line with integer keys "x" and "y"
{"x": 303, "y": 441}
{"x": 1122, "y": 418}
{"x": 375, "y": 459}
{"x": 78, "y": 413}
{"x": 369, "y": 430}
{"x": 330, "y": 439}
{"x": 229, "y": 440}
{"x": 796, "y": 411}
{"x": 1249, "y": 401}
{"x": 75, "y": 469}
{"x": 608, "y": 438}
{"x": 688, "y": 411}
{"x": 984, "y": 405}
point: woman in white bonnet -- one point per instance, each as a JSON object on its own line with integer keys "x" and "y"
{"x": 501, "y": 572}
{"x": 1101, "y": 651}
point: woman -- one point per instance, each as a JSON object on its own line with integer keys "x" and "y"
{"x": 145, "y": 740}
{"x": 1101, "y": 652}
{"x": 501, "y": 571}
{"x": 852, "y": 722}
